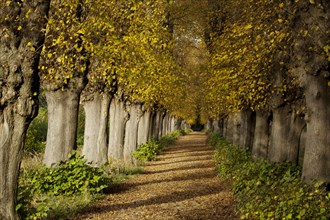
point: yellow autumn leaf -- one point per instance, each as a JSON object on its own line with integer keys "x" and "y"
{"x": 247, "y": 27}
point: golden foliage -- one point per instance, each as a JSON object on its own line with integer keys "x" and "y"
{"x": 245, "y": 53}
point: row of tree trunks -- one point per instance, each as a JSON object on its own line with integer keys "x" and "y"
{"x": 282, "y": 135}
{"x": 313, "y": 69}
{"x": 114, "y": 127}
{"x": 21, "y": 38}
{"x": 276, "y": 137}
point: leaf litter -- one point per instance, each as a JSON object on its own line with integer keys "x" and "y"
{"x": 181, "y": 184}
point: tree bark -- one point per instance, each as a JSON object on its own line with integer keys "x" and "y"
{"x": 225, "y": 127}
{"x": 20, "y": 41}
{"x": 13, "y": 128}
{"x": 131, "y": 132}
{"x": 221, "y": 125}
{"x": 239, "y": 128}
{"x": 209, "y": 125}
{"x": 63, "y": 109}
{"x": 215, "y": 125}
{"x": 247, "y": 128}
{"x": 236, "y": 127}
{"x": 156, "y": 125}
{"x": 165, "y": 126}
{"x": 173, "y": 124}
{"x": 161, "y": 124}
{"x": 316, "y": 165}
{"x": 261, "y": 135}
{"x": 95, "y": 147}
{"x": 279, "y": 134}
{"x": 310, "y": 64}
{"x": 144, "y": 127}
{"x": 117, "y": 123}
{"x": 285, "y": 135}
{"x": 152, "y": 126}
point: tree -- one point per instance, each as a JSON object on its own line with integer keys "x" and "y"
{"x": 64, "y": 67}
{"x": 189, "y": 50}
{"x": 310, "y": 65}
{"x": 130, "y": 58}
{"x": 273, "y": 58}
{"x": 110, "y": 21}
{"x": 22, "y": 35}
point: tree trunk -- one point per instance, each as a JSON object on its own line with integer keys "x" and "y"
{"x": 285, "y": 135}
{"x": 173, "y": 124}
{"x": 279, "y": 135}
{"x": 20, "y": 41}
{"x": 63, "y": 109}
{"x": 247, "y": 128}
{"x": 215, "y": 125}
{"x": 230, "y": 128}
{"x": 221, "y": 126}
{"x": 152, "y": 125}
{"x": 117, "y": 123}
{"x": 95, "y": 147}
{"x": 316, "y": 164}
{"x": 297, "y": 125}
{"x": 144, "y": 127}
{"x": 156, "y": 125}
{"x": 261, "y": 136}
{"x": 310, "y": 65}
{"x": 13, "y": 128}
{"x": 225, "y": 127}
{"x": 209, "y": 125}
{"x": 236, "y": 127}
{"x": 131, "y": 132}
{"x": 165, "y": 126}
{"x": 178, "y": 123}
{"x": 161, "y": 124}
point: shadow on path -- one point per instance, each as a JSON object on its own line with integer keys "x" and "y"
{"x": 180, "y": 184}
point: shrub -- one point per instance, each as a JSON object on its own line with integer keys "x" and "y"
{"x": 214, "y": 138}
{"x": 148, "y": 151}
{"x": 36, "y": 134}
{"x": 70, "y": 178}
{"x": 168, "y": 139}
{"x": 81, "y": 128}
{"x": 267, "y": 191}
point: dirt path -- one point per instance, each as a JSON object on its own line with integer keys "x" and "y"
{"x": 181, "y": 184}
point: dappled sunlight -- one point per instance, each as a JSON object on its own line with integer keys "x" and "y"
{"x": 181, "y": 184}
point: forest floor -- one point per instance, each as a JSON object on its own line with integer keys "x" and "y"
{"x": 181, "y": 184}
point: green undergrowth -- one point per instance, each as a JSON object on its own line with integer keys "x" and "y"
{"x": 60, "y": 192}
{"x": 266, "y": 191}
{"x": 35, "y": 141}
{"x": 148, "y": 151}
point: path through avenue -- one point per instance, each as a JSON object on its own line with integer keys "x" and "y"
{"x": 181, "y": 184}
